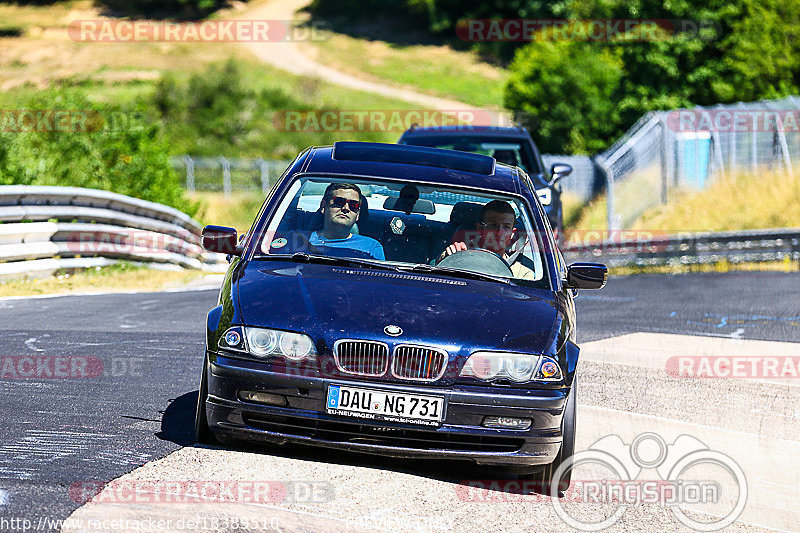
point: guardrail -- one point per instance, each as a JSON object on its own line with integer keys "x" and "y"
{"x": 694, "y": 248}
{"x": 48, "y": 228}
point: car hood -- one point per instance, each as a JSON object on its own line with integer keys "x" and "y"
{"x": 330, "y": 303}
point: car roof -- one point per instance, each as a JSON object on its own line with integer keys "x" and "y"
{"x": 470, "y": 131}
{"x": 503, "y": 178}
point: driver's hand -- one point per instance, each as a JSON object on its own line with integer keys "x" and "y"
{"x": 453, "y": 248}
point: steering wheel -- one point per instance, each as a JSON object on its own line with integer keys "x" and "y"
{"x": 478, "y": 260}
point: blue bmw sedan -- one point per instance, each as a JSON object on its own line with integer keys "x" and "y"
{"x": 398, "y": 300}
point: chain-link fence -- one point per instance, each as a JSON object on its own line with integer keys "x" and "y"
{"x": 585, "y": 180}
{"x": 687, "y": 149}
{"x": 226, "y": 174}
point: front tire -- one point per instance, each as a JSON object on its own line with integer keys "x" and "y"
{"x": 545, "y": 476}
{"x": 202, "y": 432}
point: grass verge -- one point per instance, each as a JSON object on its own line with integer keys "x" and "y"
{"x": 585, "y": 216}
{"x": 238, "y": 211}
{"x": 119, "y": 277}
{"x": 744, "y": 201}
{"x": 769, "y": 199}
{"x": 435, "y": 69}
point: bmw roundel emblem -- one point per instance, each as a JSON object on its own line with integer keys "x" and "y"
{"x": 393, "y": 330}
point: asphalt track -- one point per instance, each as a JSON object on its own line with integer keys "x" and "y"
{"x": 59, "y": 432}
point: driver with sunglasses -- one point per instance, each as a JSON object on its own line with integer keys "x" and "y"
{"x": 340, "y": 207}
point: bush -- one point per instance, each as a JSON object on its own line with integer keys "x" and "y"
{"x": 217, "y": 113}
{"x": 164, "y": 9}
{"x": 108, "y": 148}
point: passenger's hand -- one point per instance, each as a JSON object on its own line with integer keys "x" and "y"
{"x": 453, "y": 248}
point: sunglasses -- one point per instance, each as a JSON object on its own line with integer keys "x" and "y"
{"x": 338, "y": 201}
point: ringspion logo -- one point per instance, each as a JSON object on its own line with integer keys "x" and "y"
{"x": 611, "y": 476}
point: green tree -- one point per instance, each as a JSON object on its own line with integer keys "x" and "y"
{"x": 763, "y": 52}
{"x": 566, "y": 89}
{"x": 705, "y": 53}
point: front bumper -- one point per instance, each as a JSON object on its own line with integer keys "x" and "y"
{"x": 460, "y": 436}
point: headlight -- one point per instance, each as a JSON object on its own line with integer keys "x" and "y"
{"x": 263, "y": 343}
{"x": 489, "y": 366}
{"x": 486, "y": 366}
{"x": 296, "y": 347}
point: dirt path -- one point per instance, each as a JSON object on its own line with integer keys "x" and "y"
{"x": 287, "y": 55}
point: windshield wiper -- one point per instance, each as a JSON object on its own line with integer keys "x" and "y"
{"x": 302, "y": 257}
{"x": 458, "y": 273}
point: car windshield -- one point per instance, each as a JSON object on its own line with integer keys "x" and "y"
{"x": 435, "y": 229}
{"x": 504, "y": 149}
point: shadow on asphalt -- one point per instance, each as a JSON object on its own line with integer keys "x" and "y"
{"x": 177, "y": 426}
{"x": 177, "y": 420}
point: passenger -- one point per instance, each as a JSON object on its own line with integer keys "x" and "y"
{"x": 495, "y": 232}
{"x": 341, "y": 206}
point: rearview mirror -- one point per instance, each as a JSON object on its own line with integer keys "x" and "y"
{"x": 220, "y": 239}
{"x": 586, "y": 276}
{"x": 558, "y": 171}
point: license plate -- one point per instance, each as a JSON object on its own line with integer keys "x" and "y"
{"x": 371, "y": 404}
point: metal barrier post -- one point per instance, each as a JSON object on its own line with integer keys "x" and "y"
{"x": 787, "y": 160}
{"x": 226, "y": 176}
{"x": 264, "y": 168}
{"x": 610, "y": 218}
{"x": 716, "y": 145}
{"x": 663, "y": 124}
{"x": 189, "y": 173}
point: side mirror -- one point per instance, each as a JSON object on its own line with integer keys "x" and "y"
{"x": 586, "y": 276}
{"x": 558, "y": 171}
{"x": 220, "y": 239}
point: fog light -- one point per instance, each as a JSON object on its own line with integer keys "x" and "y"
{"x": 266, "y": 398}
{"x": 506, "y": 422}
